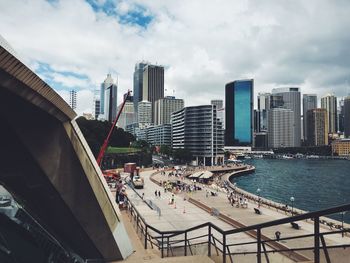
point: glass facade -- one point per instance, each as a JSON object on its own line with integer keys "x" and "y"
{"x": 242, "y": 112}
{"x": 239, "y": 113}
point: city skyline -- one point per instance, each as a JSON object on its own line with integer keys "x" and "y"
{"x": 308, "y": 49}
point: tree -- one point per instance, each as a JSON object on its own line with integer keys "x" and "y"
{"x": 165, "y": 150}
{"x": 95, "y": 132}
{"x": 182, "y": 155}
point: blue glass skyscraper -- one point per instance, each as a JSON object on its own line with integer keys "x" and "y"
{"x": 239, "y": 113}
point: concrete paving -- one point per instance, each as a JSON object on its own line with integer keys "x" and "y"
{"x": 184, "y": 215}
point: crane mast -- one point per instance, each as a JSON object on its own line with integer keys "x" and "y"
{"x": 106, "y": 141}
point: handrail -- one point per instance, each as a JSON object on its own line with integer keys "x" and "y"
{"x": 282, "y": 221}
{"x": 261, "y": 241}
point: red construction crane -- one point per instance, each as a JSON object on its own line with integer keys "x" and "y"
{"x": 105, "y": 143}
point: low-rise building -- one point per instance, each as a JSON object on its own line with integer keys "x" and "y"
{"x": 341, "y": 147}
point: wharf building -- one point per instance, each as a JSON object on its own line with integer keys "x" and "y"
{"x": 280, "y": 128}
{"x": 292, "y": 101}
{"x": 317, "y": 127}
{"x": 239, "y": 113}
{"x": 164, "y": 107}
{"x": 73, "y": 99}
{"x": 199, "y": 130}
{"x": 329, "y": 102}
{"x": 309, "y": 103}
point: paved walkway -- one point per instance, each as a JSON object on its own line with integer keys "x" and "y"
{"x": 247, "y": 216}
{"x": 185, "y": 215}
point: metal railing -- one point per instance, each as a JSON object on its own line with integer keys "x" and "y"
{"x": 183, "y": 242}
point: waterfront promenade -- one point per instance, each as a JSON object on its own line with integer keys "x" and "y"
{"x": 184, "y": 215}
{"x": 188, "y": 214}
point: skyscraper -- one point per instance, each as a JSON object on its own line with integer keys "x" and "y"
{"x": 280, "y": 128}
{"x": 96, "y": 105}
{"x": 263, "y": 106}
{"x": 127, "y": 115}
{"x": 340, "y": 117}
{"x": 144, "y": 113}
{"x": 110, "y": 99}
{"x": 317, "y": 127}
{"x": 105, "y": 84}
{"x": 164, "y": 107}
{"x": 138, "y": 83}
{"x": 347, "y": 117}
{"x": 329, "y": 102}
{"x": 73, "y": 99}
{"x": 309, "y": 103}
{"x": 153, "y": 84}
{"x": 292, "y": 101}
{"x": 239, "y": 113}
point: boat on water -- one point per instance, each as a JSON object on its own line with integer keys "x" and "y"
{"x": 287, "y": 157}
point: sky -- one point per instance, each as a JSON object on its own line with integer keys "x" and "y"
{"x": 73, "y": 44}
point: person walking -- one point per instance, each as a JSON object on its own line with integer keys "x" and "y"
{"x": 158, "y": 193}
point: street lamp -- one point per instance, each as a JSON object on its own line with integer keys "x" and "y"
{"x": 292, "y": 200}
{"x": 342, "y": 222}
{"x": 258, "y": 192}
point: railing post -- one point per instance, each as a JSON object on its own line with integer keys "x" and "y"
{"x": 186, "y": 243}
{"x": 317, "y": 240}
{"x": 162, "y": 247}
{"x": 224, "y": 248}
{"x": 258, "y": 236}
{"x": 146, "y": 237}
{"x": 209, "y": 241}
{"x": 137, "y": 224}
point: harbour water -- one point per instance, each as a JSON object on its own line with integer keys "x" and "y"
{"x": 314, "y": 184}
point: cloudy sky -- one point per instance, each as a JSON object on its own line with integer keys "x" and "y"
{"x": 73, "y": 44}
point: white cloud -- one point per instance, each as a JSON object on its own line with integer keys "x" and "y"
{"x": 204, "y": 44}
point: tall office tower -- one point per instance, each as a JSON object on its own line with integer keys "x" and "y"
{"x": 317, "y": 127}
{"x": 219, "y": 103}
{"x": 153, "y": 84}
{"x": 164, "y": 107}
{"x": 329, "y": 102}
{"x": 280, "y": 128}
{"x": 144, "y": 113}
{"x": 275, "y": 101}
{"x": 263, "y": 106}
{"x": 110, "y": 99}
{"x": 309, "y": 103}
{"x": 292, "y": 101}
{"x": 138, "y": 83}
{"x": 73, "y": 99}
{"x": 104, "y": 85}
{"x": 96, "y": 105}
{"x": 239, "y": 113}
{"x": 256, "y": 122}
{"x": 340, "y": 117}
{"x": 199, "y": 130}
{"x": 347, "y": 117}
{"x": 127, "y": 115}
